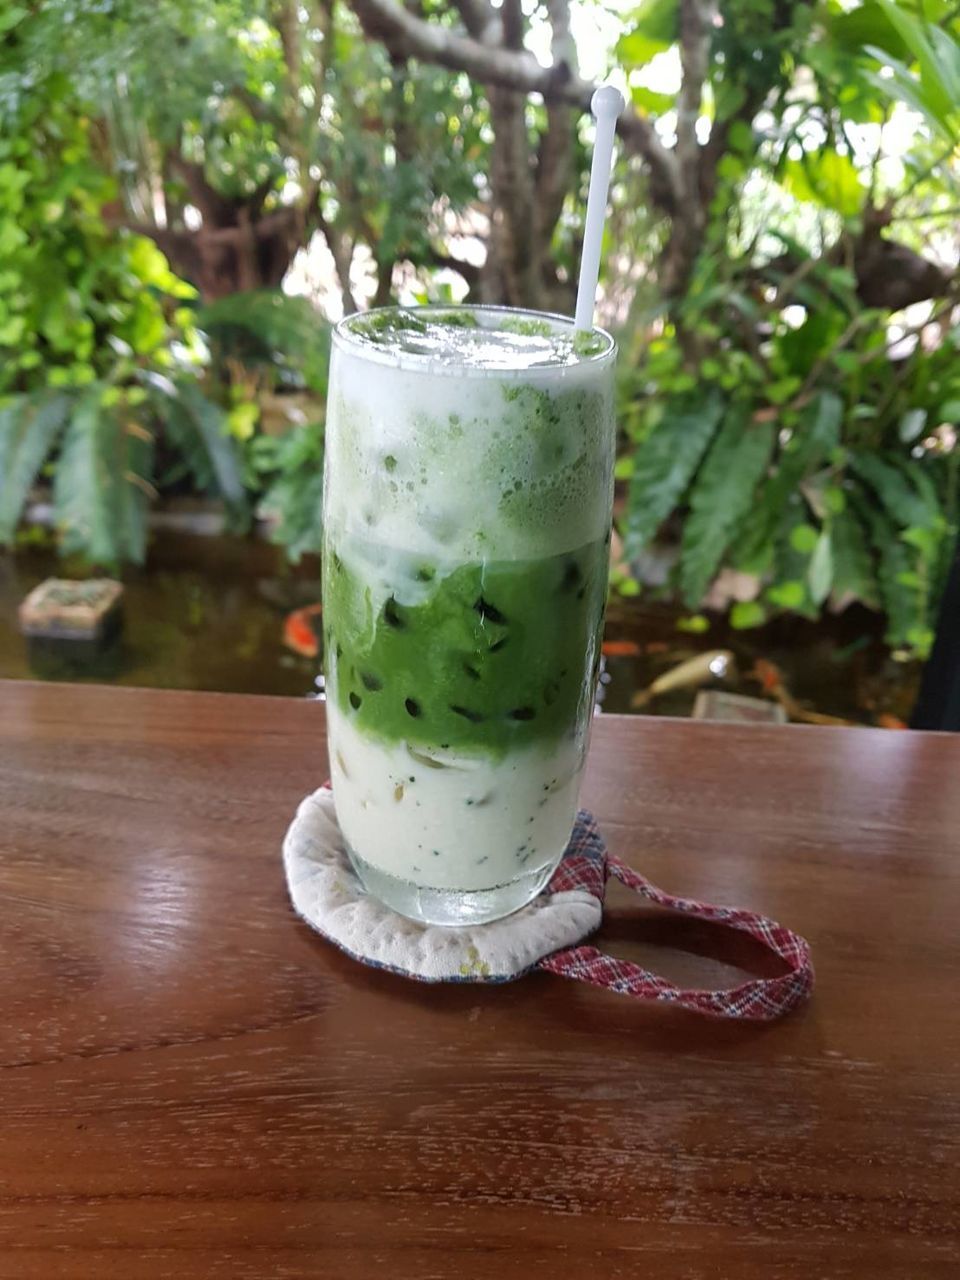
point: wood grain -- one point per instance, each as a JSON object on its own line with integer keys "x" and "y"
{"x": 194, "y": 1086}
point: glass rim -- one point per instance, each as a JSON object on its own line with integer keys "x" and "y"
{"x": 418, "y": 362}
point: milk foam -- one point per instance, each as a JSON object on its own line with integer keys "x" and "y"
{"x": 491, "y": 464}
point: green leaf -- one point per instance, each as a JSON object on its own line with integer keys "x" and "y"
{"x": 266, "y": 327}
{"x": 151, "y": 268}
{"x": 902, "y": 86}
{"x": 911, "y": 424}
{"x": 746, "y": 614}
{"x": 721, "y": 496}
{"x": 101, "y": 485}
{"x": 802, "y": 347}
{"x": 740, "y": 137}
{"x": 780, "y": 392}
{"x": 655, "y": 29}
{"x": 848, "y": 363}
{"x": 901, "y": 603}
{"x": 28, "y": 431}
{"x": 940, "y": 89}
{"x": 12, "y": 330}
{"x": 827, "y": 178}
{"x": 803, "y": 538}
{"x": 147, "y": 328}
{"x": 946, "y": 53}
{"x": 791, "y": 565}
{"x": 926, "y": 541}
{"x": 729, "y": 97}
{"x": 917, "y": 471}
{"x": 921, "y": 639}
{"x": 242, "y": 420}
{"x": 10, "y": 17}
{"x": 658, "y": 19}
{"x": 664, "y": 463}
{"x": 695, "y": 624}
{"x": 294, "y": 500}
{"x": 899, "y": 497}
{"x": 199, "y": 427}
{"x": 949, "y": 411}
{"x": 820, "y": 573}
{"x": 867, "y": 24}
{"x": 814, "y": 437}
{"x": 787, "y": 595}
{"x": 649, "y": 100}
{"x": 834, "y": 500}
{"x": 853, "y": 569}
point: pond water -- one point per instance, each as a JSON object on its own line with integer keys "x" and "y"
{"x": 210, "y": 612}
{"x": 204, "y": 613}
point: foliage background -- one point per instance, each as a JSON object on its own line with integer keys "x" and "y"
{"x": 780, "y": 266}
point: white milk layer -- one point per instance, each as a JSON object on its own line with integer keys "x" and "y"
{"x": 449, "y": 820}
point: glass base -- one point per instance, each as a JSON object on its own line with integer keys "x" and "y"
{"x": 451, "y": 906}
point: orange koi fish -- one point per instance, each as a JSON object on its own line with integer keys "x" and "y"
{"x": 299, "y": 633}
{"x": 620, "y": 649}
{"x": 886, "y": 721}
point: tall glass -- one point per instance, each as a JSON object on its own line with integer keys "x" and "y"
{"x": 467, "y": 504}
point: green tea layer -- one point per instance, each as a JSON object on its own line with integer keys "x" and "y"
{"x": 483, "y": 656}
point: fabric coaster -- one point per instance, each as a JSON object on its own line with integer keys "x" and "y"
{"x": 328, "y": 895}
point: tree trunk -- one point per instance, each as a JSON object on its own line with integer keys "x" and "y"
{"x": 690, "y": 216}
{"x": 249, "y": 252}
{"x": 516, "y": 248}
{"x": 516, "y": 251}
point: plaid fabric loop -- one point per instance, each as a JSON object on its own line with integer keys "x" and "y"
{"x": 757, "y": 1000}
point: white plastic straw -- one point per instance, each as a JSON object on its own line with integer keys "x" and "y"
{"x": 607, "y": 104}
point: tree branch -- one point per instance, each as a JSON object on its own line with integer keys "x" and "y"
{"x": 215, "y": 209}
{"x": 384, "y": 283}
{"x": 555, "y": 158}
{"x": 342, "y": 258}
{"x": 928, "y": 213}
{"x": 287, "y": 22}
{"x": 512, "y": 17}
{"x": 517, "y": 70}
{"x": 481, "y": 20}
{"x": 514, "y": 238}
{"x": 245, "y": 229}
{"x": 690, "y": 214}
{"x": 398, "y": 29}
{"x": 324, "y": 18}
{"x": 469, "y": 270}
{"x": 695, "y": 16}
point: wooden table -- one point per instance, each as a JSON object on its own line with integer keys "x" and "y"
{"x": 193, "y": 1085}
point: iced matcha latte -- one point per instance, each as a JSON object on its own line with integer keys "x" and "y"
{"x": 467, "y": 503}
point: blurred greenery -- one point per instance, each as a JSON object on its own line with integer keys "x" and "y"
{"x": 780, "y": 263}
